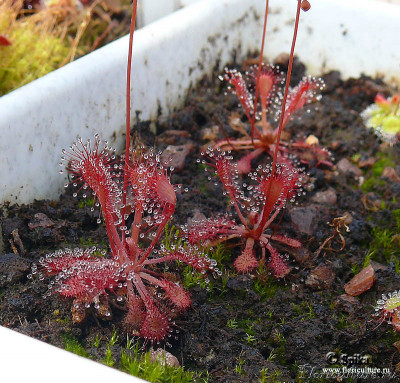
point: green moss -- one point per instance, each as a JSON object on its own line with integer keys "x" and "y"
{"x": 372, "y": 184}
{"x": 305, "y": 310}
{"x": 114, "y": 338}
{"x": 86, "y": 202}
{"x": 191, "y": 278}
{"x": 49, "y": 38}
{"x": 267, "y": 287}
{"x": 239, "y": 366}
{"x": 96, "y": 341}
{"x": 342, "y": 322}
{"x": 383, "y": 162}
{"x": 356, "y": 268}
{"x": 71, "y": 344}
{"x": 221, "y": 254}
{"x": 100, "y": 247}
{"x": 137, "y": 364}
{"x": 63, "y": 320}
{"x": 172, "y": 237}
{"x": 280, "y": 352}
{"x": 108, "y": 358}
{"x": 396, "y": 216}
{"x": 248, "y": 325}
{"x": 372, "y": 180}
{"x": 35, "y": 51}
{"x": 267, "y": 376}
{"x": 384, "y": 247}
{"x": 367, "y": 260}
{"x": 389, "y": 337}
{"x": 232, "y": 323}
{"x": 250, "y": 339}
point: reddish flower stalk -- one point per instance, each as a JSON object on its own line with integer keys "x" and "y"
{"x": 128, "y": 103}
{"x": 139, "y": 186}
{"x": 299, "y": 98}
{"x": 253, "y": 119}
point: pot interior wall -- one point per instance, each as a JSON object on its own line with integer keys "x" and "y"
{"x": 170, "y": 55}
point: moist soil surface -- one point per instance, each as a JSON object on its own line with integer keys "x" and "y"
{"x": 244, "y": 328}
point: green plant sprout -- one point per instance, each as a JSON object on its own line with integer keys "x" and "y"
{"x": 108, "y": 358}
{"x": 384, "y": 117}
{"x": 97, "y": 341}
{"x": 250, "y": 338}
{"x": 232, "y": 323}
{"x": 171, "y": 237}
{"x": 238, "y": 367}
{"x": 113, "y": 339}
{"x": 86, "y": 202}
{"x": 270, "y": 377}
{"x": 71, "y": 344}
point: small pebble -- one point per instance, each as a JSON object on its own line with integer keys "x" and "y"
{"x": 345, "y": 166}
{"x": 361, "y": 282}
{"x": 390, "y": 174}
{"x": 321, "y": 277}
{"x": 164, "y": 358}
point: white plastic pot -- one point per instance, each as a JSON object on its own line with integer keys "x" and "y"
{"x": 170, "y": 55}
{"x": 24, "y": 359}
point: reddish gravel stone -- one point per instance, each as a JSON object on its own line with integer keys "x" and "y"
{"x": 368, "y": 163}
{"x": 361, "y": 282}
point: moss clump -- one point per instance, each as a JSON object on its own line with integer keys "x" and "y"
{"x": 372, "y": 178}
{"x": 265, "y": 285}
{"x": 71, "y": 344}
{"x": 36, "y": 49}
{"x": 45, "y": 39}
{"x": 143, "y": 367}
{"x": 136, "y": 362}
{"x": 385, "y": 244}
{"x": 86, "y": 202}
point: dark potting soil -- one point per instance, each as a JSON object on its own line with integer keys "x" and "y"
{"x": 244, "y": 328}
